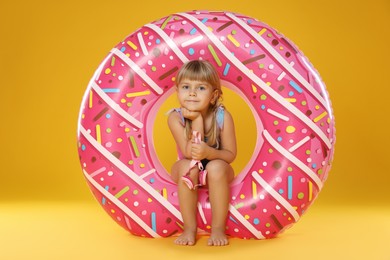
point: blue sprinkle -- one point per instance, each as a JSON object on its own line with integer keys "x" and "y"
{"x": 226, "y": 70}
{"x": 232, "y": 219}
{"x": 104, "y": 199}
{"x": 108, "y": 116}
{"x": 290, "y": 187}
{"x": 123, "y": 49}
{"x": 158, "y": 41}
{"x": 262, "y": 107}
{"x": 151, "y": 180}
{"x": 83, "y": 147}
{"x": 249, "y": 21}
{"x": 111, "y": 90}
{"x": 154, "y": 224}
{"x": 295, "y": 86}
{"x": 205, "y": 20}
{"x": 193, "y": 31}
{"x": 281, "y": 191}
{"x": 191, "y": 51}
{"x": 291, "y": 93}
{"x": 256, "y": 221}
{"x": 280, "y": 139}
{"x": 314, "y": 165}
{"x": 252, "y": 52}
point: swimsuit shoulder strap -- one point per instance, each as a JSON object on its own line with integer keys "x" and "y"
{"x": 220, "y": 115}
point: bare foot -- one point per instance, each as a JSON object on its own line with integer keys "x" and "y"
{"x": 186, "y": 239}
{"x": 218, "y": 238}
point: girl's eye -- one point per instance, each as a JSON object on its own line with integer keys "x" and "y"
{"x": 185, "y": 87}
{"x": 202, "y": 88}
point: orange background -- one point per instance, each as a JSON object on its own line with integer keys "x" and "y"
{"x": 49, "y": 50}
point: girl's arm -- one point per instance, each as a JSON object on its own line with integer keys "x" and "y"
{"x": 228, "y": 144}
{"x": 178, "y": 131}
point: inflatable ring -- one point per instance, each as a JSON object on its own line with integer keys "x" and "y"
{"x": 293, "y": 114}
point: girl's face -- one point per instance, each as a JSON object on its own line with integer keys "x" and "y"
{"x": 196, "y": 95}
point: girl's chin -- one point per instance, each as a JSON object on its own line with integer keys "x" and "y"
{"x": 191, "y": 107}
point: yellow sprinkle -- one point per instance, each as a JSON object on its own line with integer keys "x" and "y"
{"x": 310, "y": 190}
{"x": 98, "y": 134}
{"x": 262, "y": 31}
{"x": 254, "y": 89}
{"x": 211, "y": 29}
{"x": 254, "y": 190}
{"x": 119, "y": 140}
{"x": 233, "y": 40}
{"x": 165, "y": 195}
{"x": 142, "y": 165}
{"x": 150, "y": 200}
{"x": 246, "y": 217}
{"x": 90, "y": 99}
{"x": 318, "y": 118}
{"x": 291, "y": 100}
{"x": 127, "y": 129}
{"x": 137, "y": 94}
{"x": 132, "y": 45}
{"x": 180, "y": 225}
{"x": 107, "y": 71}
{"x": 290, "y": 129}
{"x": 123, "y": 100}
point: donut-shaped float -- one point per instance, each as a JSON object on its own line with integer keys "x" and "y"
{"x": 294, "y": 122}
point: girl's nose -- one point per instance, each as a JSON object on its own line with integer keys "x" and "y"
{"x": 192, "y": 92}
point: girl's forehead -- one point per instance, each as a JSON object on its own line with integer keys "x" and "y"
{"x": 195, "y": 82}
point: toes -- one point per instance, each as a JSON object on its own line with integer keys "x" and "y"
{"x": 184, "y": 241}
{"x": 217, "y": 242}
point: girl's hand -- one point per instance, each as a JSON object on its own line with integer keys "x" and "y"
{"x": 199, "y": 151}
{"x": 190, "y": 115}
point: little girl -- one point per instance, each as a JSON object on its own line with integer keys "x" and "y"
{"x": 205, "y": 136}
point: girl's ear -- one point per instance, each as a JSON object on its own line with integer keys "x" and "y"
{"x": 214, "y": 97}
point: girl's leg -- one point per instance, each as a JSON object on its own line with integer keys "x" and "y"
{"x": 220, "y": 174}
{"x": 188, "y": 200}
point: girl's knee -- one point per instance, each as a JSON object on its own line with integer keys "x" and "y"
{"x": 181, "y": 168}
{"x": 219, "y": 170}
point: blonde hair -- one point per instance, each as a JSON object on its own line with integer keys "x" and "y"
{"x": 200, "y": 70}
